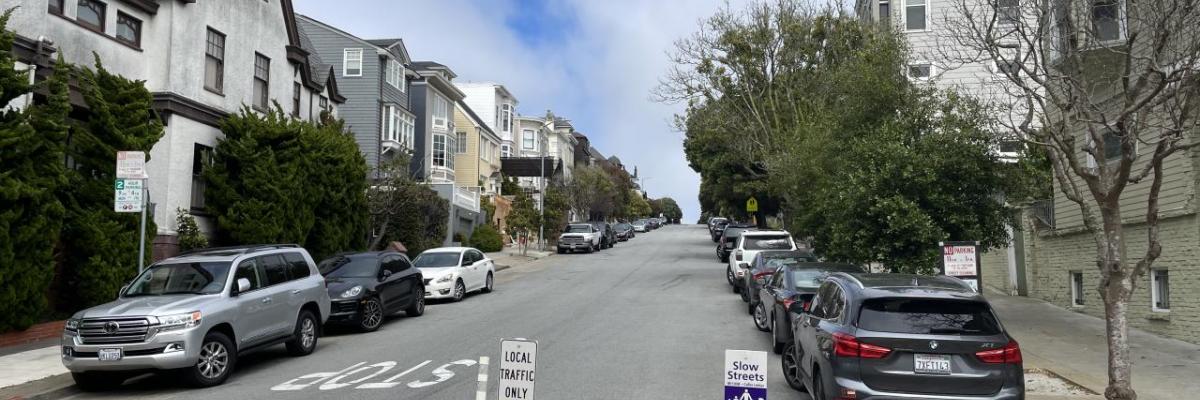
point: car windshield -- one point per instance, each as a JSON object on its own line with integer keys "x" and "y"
{"x": 180, "y": 278}
{"x": 579, "y": 228}
{"x": 348, "y": 267}
{"x": 809, "y": 277}
{"x": 763, "y": 242}
{"x": 773, "y": 263}
{"x": 928, "y": 316}
{"x": 437, "y": 260}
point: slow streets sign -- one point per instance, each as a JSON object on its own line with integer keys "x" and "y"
{"x": 745, "y": 375}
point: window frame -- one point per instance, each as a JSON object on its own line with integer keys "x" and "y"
{"x": 296, "y": 99}
{"x": 439, "y": 157}
{"x": 908, "y": 71}
{"x": 528, "y": 139}
{"x": 1120, "y": 21}
{"x": 506, "y": 110}
{"x": 924, "y": 15}
{"x": 441, "y": 105}
{"x": 218, "y": 87}
{"x": 346, "y": 61}
{"x": 506, "y": 151}
{"x": 206, "y": 152}
{"x": 1076, "y": 285}
{"x": 1007, "y": 15}
{"x": 265, "y": 96}
{"x": 53, "y": 4}
{"x": 460, "y": 142}
{"x": 137, "y": 30}
{"x": 103, "y": 15}
{"x": 885, "y": 18}
{"x": 1156, "y": 293}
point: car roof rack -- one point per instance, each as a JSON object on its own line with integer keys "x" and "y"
{"x": 242, "y": 249}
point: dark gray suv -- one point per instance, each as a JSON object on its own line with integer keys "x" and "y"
{"x": 893, "y": 336}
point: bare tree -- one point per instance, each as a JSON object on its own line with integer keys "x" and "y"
{"x": 1109, "y": 89}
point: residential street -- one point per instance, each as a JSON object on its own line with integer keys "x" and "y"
{"x": 648, "y": 319}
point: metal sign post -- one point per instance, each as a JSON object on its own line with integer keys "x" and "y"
{"x": 131, "y": 192}
{"x": 961, "y": 260}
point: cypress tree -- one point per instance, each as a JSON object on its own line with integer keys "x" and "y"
{"x": 336, "y": 171}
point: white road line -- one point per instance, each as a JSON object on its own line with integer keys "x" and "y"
{"x": 481, "y": 393}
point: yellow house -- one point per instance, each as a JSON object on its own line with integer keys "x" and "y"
{"x": 477, "y": 156}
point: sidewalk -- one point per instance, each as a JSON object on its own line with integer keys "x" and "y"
{"x": 1072, "y": 345}
{"x": 511, "y": 256}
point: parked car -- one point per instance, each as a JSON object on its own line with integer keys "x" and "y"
{"x": 640, "y": 226}
{"x": 579, "y": 236}
{"x": 712, "y": 223}
{"x": 718, "y": 229}
{"x": 748, "y": 245}
{"x": 624, "y": 231}
{"x": 608, "y": 235}
{"x": 790, "y": 283}
{"x": 197, "y": 313}
{"x": 764, "y": 265}
{"x": 728, "y": 240}
{"x": 902, "y": 336}
{"x": 452, "y": 272}
{"x": 367, "y": 287}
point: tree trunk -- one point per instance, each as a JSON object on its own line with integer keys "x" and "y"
{"x": 1116, "y": 303}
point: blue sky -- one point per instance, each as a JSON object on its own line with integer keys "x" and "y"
{"x": 592, "y": 61}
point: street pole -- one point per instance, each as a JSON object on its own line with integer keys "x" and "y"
{"x": 142, "y": 231}
{"x": 542, "y": 201}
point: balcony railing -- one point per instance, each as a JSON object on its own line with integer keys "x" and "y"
{"x": 467, "y": 197}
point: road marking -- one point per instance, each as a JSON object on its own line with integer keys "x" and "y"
{"x": 443, "y": 374}
{"x": 335, "y": 382}
{"x": 481, "y": 393}
{"x": 319, "y": 376}
{"x": 391, "y": 382}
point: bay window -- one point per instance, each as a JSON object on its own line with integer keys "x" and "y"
{"x": 441, "y": 145}
{"x": 441, "y": 112}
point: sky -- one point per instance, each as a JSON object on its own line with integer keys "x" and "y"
{"x": 594, "y": 62}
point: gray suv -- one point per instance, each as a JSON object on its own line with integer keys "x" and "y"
{"x": 197, "y": 313}
{"x": 901, "y": 336}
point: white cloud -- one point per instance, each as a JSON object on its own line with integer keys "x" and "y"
{"x": 600, "y": 75}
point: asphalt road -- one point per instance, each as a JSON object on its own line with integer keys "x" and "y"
{"x": 648, "y": 319}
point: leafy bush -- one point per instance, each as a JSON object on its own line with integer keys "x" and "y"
{"x": 458, "y": 237}
{"x": 487, "y": 239}
{"x": 190, "y": 237}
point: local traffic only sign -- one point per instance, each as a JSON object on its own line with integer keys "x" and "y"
{"x": 745, "y": 375}
{"x": 517, "y": 366}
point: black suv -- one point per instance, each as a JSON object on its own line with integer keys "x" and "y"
{"x": 608, "y": 235}
{"x": 887, "y": 336}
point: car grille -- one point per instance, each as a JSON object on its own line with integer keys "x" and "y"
{"x": 113, "y": 330}
{"x": 571, "y": 239}
{"x": 127, "y": 353}
{"x": 344, "y": 306}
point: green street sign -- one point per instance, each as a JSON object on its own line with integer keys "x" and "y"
{"x": 752, "y": 205}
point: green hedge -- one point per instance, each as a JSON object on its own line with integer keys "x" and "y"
{"x": 487, "y": 239}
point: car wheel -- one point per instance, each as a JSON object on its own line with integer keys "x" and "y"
{"x": 97, "y": 381}
{"x": 776, "y": 347}
{"x": 729, "y": 275}
{"x": 818, "y": 386}
{"x": 372, "y": 315}
{"x": 745, "y": 295}
{"x": 750, "y": 306}
{"x": 460, "y": 291}
{"x": 217, "y": 358}
{"x": 417, "y": 308}
{"x": 304, "y": 340}
{"x": 791, "y": 368}
{"x": 489, "y": 284}
{"x": 760, "y": 318}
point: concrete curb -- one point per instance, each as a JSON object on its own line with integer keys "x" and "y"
{"x": 49, "y": 388}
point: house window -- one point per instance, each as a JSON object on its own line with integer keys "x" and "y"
{"x": 323, "y": 103}
{"x": 528, "y": 140}
{"x": 920, "y": 72}
{"x": 439, "y": 150}
{"x": 441, "y": 112}
{"x": 214, "y": 62}
{"x": 914, "y": 15}
{"x": 201, "y": 160}
{"x": 506, "y": 114}
{"x": 1106, "y": 19}
{"x": 262, "y": 79}
{"x": 1008, "y": 12}
{"x": 55, "y": 7}
{"x": 462, "y": 143}
{"x": 129, "y": 29}
{"x": 1160, "y": 290}
{"x": 885, "y": 13}
{"x": 1076, "y": 288}
{"x": 90, "y": 13}
{"x": 295, "y": 99}
{"x": 395, "y": 74}
{"x": 1112, "y": 145}
{"x": 391, "y": 124}
{"x": 408, "y": 130}
{"x": 352, "y": 60}
{"x": 505, "y": 151}
{"x": 486, "y": 149}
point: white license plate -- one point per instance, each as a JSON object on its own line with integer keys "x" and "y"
{"x": 936, "y": 364}
{"x": 110, "y": 354}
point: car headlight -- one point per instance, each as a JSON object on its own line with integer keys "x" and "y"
{"x": 72, "y": 325}
{"x": 178, "y": 321}
{"x": 446, "y": 278}
{"x": 352, "y": 292}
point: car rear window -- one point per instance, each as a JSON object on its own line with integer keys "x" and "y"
{"x": 928, "y": 316}
{"x": 763, "y": 242}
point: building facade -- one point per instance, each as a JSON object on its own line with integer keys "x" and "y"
{"x": 200, "y": 60}
{"x": 434, "y": 98}
{"x": 477, "y": 156}
{"x": 497, "y": 107}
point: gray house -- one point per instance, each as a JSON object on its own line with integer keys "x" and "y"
{"x": 375, "y": 82}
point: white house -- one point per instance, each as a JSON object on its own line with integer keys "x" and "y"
{"x": 497, "y": 107}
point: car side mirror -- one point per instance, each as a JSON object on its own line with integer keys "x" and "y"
{"x": 243, "y": 285}
{"x": 799, "y": 307}
{"x": 384, "y": 274}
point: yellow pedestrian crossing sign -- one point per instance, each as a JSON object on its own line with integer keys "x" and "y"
{"x": 752, "y": 205}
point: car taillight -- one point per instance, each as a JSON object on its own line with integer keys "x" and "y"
{"x": 845, "y": 345}
{"x": 1009, "y": 354}
{"x": 739, "y": 255}
{"x": 787, "y": 303}
{"x": 761, "y": 275}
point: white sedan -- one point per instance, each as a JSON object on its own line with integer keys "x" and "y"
{"x": 452, "y": 272}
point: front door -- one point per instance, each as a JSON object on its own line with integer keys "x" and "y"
{"x": 254, "y": 320}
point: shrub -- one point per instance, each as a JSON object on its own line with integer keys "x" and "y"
{"x": 487, "y": 239}
{"x": 190, "y": 237}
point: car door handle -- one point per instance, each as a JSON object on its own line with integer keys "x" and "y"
{"x": 296, "y": 291}
{"x": 266, "y": 300}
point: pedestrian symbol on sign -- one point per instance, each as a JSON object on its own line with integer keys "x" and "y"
{"x": 746, "y": 396}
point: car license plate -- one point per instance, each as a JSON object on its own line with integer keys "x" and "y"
{"x": 936, "y": 364}
{"x": 110, "y": 354}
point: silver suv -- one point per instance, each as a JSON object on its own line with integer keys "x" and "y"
{"x": 197, "y": 313}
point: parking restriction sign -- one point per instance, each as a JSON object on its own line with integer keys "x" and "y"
{"x": 129, "y": 195}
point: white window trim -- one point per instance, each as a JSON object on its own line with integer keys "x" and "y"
{"x": 1075, "y": 294}
{"x": 904, "y": 17}
{"x": 1098, "y": 148}
{"x": 535, "y": 139}
{"x": 445, "y": 119}
{"x": 932, "y": 71}
{"x": 395, "y": 74}
{"x": 1122, "y": 20}
{"x": 408, "y": 126}
{"x": 1154, "y": 291}
{"x": 346, "y": 60}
